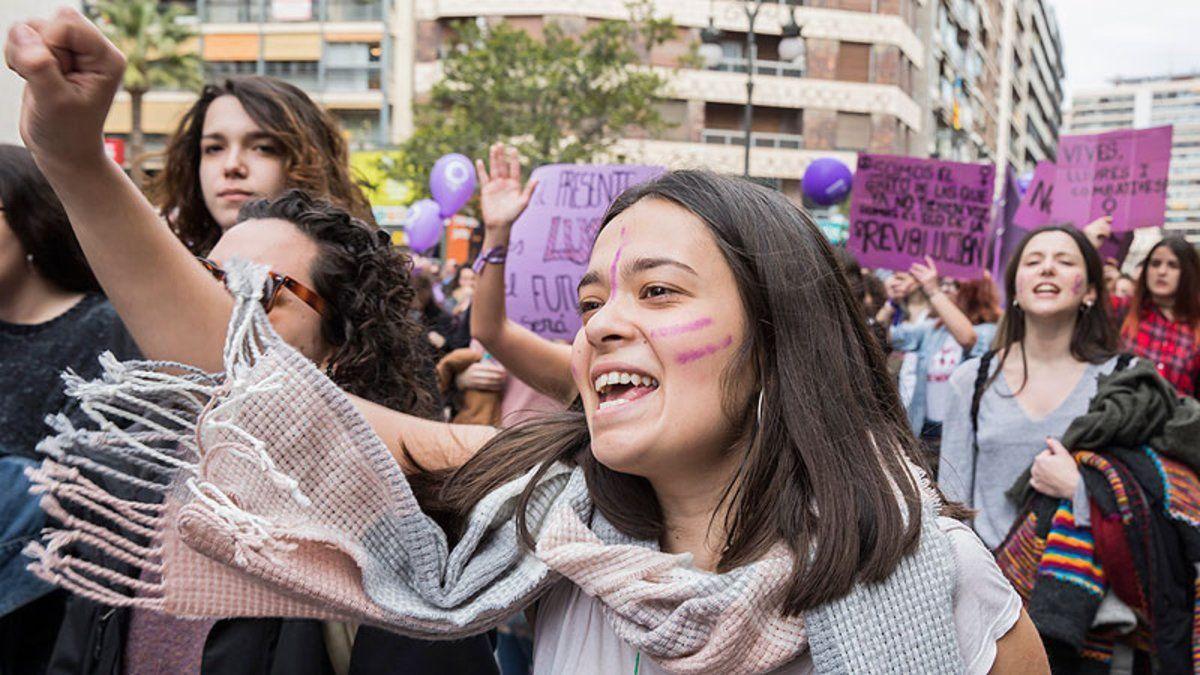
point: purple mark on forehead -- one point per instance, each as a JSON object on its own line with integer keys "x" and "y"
{"x": 682, "y": 328}
{"x": 612, "y": 271}
{"x": 706, "y": 350}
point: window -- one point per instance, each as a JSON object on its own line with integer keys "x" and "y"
{"x": 854, "y": 62}
{"x": 853, "y": 131}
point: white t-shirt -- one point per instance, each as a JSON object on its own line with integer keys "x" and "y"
{"x": 572, "y": 635}
{"x": 937, "y": 378}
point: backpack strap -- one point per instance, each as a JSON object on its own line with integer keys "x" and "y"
{"x": 1123, "y": 362}
{"x": 981, "y": 378}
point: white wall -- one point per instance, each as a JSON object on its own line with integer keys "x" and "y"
{"x": 11, "y": 85}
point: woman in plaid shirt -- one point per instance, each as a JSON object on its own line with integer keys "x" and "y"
{"x": 1161, "y": 322}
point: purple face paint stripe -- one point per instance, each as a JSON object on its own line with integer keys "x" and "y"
{"x": 612, "y": 271}
{"x": 681, "y": 328}
{"x": 706, "y": 350}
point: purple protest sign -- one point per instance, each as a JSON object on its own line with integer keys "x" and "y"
{"x": 1034, "y": 210}
{"x": 904, "y": 208}
{"x": 552, "y": 240}
{"x": 1123, "y": 174}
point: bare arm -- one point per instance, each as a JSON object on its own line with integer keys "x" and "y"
{"x": 952, "y": 317}
{"x": 1020, "y": 651}
{"x": 543, "y": 365}
{"x": 174, "y": 309}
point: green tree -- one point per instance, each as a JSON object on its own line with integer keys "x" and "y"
{"x": 560, "y": 98}
{"x": 153, "y": 42}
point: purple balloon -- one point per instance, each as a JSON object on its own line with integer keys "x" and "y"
{"x": 423, "y": 225}
{"x": 452, "y": 182}
{"x": 827, "y": 181}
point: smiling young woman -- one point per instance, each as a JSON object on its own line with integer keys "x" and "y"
{"x": 1054, "y": 341}
{"x": 756, "y": 507}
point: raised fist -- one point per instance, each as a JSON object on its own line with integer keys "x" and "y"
{"x": 72, "y": 73}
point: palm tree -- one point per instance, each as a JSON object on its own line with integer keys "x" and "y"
{"x": 152, "y": 39}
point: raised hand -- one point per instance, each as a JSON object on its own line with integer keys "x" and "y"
{"x": 1098, "y": 231}
{"x": 72, "y": 73}
{"x": 501, "y": 197}
{"x": 926, "y": 275}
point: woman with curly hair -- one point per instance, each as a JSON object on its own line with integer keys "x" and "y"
{"x": 250, "y": 138}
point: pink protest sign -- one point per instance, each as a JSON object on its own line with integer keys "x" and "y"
{"x": 552, "y": 240}
{"x": 1123, "y": 174}
{"x": 904, "y": 208}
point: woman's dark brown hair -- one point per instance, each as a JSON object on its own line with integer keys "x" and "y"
{"x": 380, "y": 352}
{"x": 1094, "y": 339}
{"x": 40, "y": 223}
{"x": 821, "y": 471}
{"x": 315, "y": 155}
{"x": 1186, "y": 308}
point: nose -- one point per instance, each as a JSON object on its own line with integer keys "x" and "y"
{"x": 609, "y": 327}
{"x": 234, "y": 164}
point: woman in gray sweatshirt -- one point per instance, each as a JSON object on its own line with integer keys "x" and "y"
{"x": 1053, "y": 343}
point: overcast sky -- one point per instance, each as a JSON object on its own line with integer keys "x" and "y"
{"x": 1106, "y": 38}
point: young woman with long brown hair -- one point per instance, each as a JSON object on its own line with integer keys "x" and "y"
{"x": 1161, "y": 321}
{"x": 1054, "y": 342}
{"x": 734, "y": 413}
{"x": 250, "y": 138}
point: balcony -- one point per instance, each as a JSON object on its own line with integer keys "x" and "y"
{"x": 367, "y": 10}
{"x": 758, "y": 139}
{"x": 256, "y": 11}
{"x": 761, "y": 67}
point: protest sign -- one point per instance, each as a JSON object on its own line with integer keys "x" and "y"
{"x": 1123, "y": 174}
{"x": 904, "y": 208}
{"x": 552, "y": 240}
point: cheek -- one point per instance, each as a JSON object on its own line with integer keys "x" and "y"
{"x": 268, "y": 174}
{"x": 1077, "y": 284}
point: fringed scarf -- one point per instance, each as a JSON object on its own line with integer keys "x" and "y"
{"x": 263, "y": 492}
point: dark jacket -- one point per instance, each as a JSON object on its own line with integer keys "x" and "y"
{"x": 92, "y": 641}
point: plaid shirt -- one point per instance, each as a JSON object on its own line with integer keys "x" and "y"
{"x": 1170, "y": 345}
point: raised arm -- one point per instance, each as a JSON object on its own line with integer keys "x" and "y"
{"x": 174, "y": 309}
{"x": 542, "y": 364}
{"x": 956, "y": 322}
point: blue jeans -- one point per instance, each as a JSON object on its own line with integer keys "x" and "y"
{"x": 21, "y": 518}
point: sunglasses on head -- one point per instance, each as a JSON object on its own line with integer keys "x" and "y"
{"x": 273, "y": 284}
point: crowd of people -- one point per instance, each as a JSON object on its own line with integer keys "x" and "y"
{"x": 285, "y": 445}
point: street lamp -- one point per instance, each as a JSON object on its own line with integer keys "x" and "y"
{"x": 791, "y": 48}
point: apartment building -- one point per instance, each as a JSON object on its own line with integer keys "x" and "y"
{"x": 1152, "y": 102}
{"x": 1030, "y": 92}
{"x": 850, "y": 90}
{"x": 336, "y": 50}
{"x": 972, "y": 80}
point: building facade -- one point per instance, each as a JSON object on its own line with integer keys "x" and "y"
{"x": 971, "y": 80}
{"x": 336, "y": 50}
{"x": 1030, "y": 90}
{"x": 852, "y": 89}
{"x": 1153, "y": 102}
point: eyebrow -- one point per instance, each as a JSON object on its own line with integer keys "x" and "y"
{"x": 253, "y": 136}
{"x": 637, "y": 266}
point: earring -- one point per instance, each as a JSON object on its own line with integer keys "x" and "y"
{"x": 29, "y": 259}
{"x": 758, "y": 415}
{"x": 1016, "y": 304}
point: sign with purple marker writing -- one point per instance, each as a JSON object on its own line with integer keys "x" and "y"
{"x": 1122, "y": 174}
{"x": 904, "y": 208}
{"x": 552, "y": 240}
